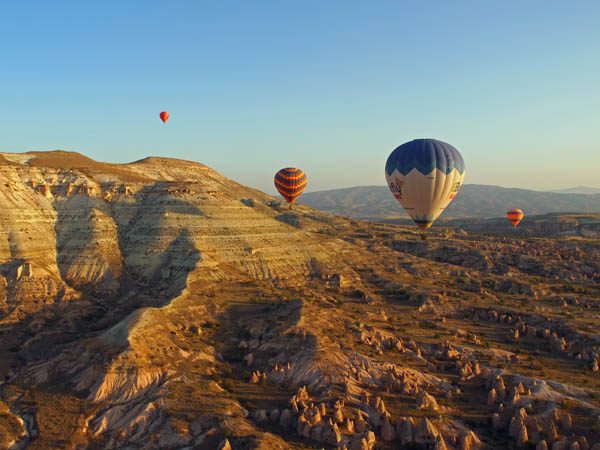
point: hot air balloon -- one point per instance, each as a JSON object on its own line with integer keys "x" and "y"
{"x": 425, "y": 175}
{"x": 290, "y": 182}
{"x": 514, "y": 216}
{"x": 164, "y": 116}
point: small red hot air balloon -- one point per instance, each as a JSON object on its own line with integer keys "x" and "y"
{"x": 164, "y": 116}
{"x": 514, "y": 216}
{"x": 290, "y": 182}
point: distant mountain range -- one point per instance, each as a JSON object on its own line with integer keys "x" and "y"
{"x": 474, "y": 200}
{"x": 577, "y": 190}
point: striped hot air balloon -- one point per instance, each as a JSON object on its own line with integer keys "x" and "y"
{"x": 425, "y": 175}
{"x": 290, "y": 183}
{"x": 514, "y": 216}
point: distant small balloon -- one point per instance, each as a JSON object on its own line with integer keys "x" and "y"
{"x": 514, "y": 216}
{"x": 290, "y": 183}
{"x": 164, "y": 116}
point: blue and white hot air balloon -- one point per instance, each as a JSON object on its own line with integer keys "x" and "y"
{"x": 425, "y": 175}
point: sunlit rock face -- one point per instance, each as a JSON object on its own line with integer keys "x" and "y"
{"x": 70, "y": 223}
{"x": 160, "y": 305}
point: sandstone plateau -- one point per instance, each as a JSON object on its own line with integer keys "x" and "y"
{"x": 160, "y": 305}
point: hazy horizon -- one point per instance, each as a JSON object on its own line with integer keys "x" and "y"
{"x": 329, "y": 87}
{"x": 478, "y": 184}
{"x": 269, "y": 188}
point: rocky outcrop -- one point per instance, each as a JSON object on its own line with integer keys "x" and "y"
{"x": 160, "y": 304}
{"x": 427, "y": 402}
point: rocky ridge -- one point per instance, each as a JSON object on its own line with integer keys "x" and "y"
{"x": 158, "y": 304}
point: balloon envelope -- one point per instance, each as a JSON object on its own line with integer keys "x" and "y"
{"x": 164, "y": 116}
{"x": 514, "y": 216}
{"x": 425, "y": 175}
{"x": 290, "y": 183}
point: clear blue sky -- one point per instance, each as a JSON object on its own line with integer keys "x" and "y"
{"x": 329, "y": 86}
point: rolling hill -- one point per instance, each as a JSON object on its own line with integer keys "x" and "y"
{"x": 577, "y": 190}
{"x": 474, "y": 200}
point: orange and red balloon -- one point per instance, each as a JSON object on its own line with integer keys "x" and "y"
{"x": 514, "y": 216}
{"x": 164, "y": 116}
{"x": 290, "y": 183}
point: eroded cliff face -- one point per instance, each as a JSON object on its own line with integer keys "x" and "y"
{"x": 161, "y": 305}
{"x": 89, "y": 250}
{"x": 96, "y": 227}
